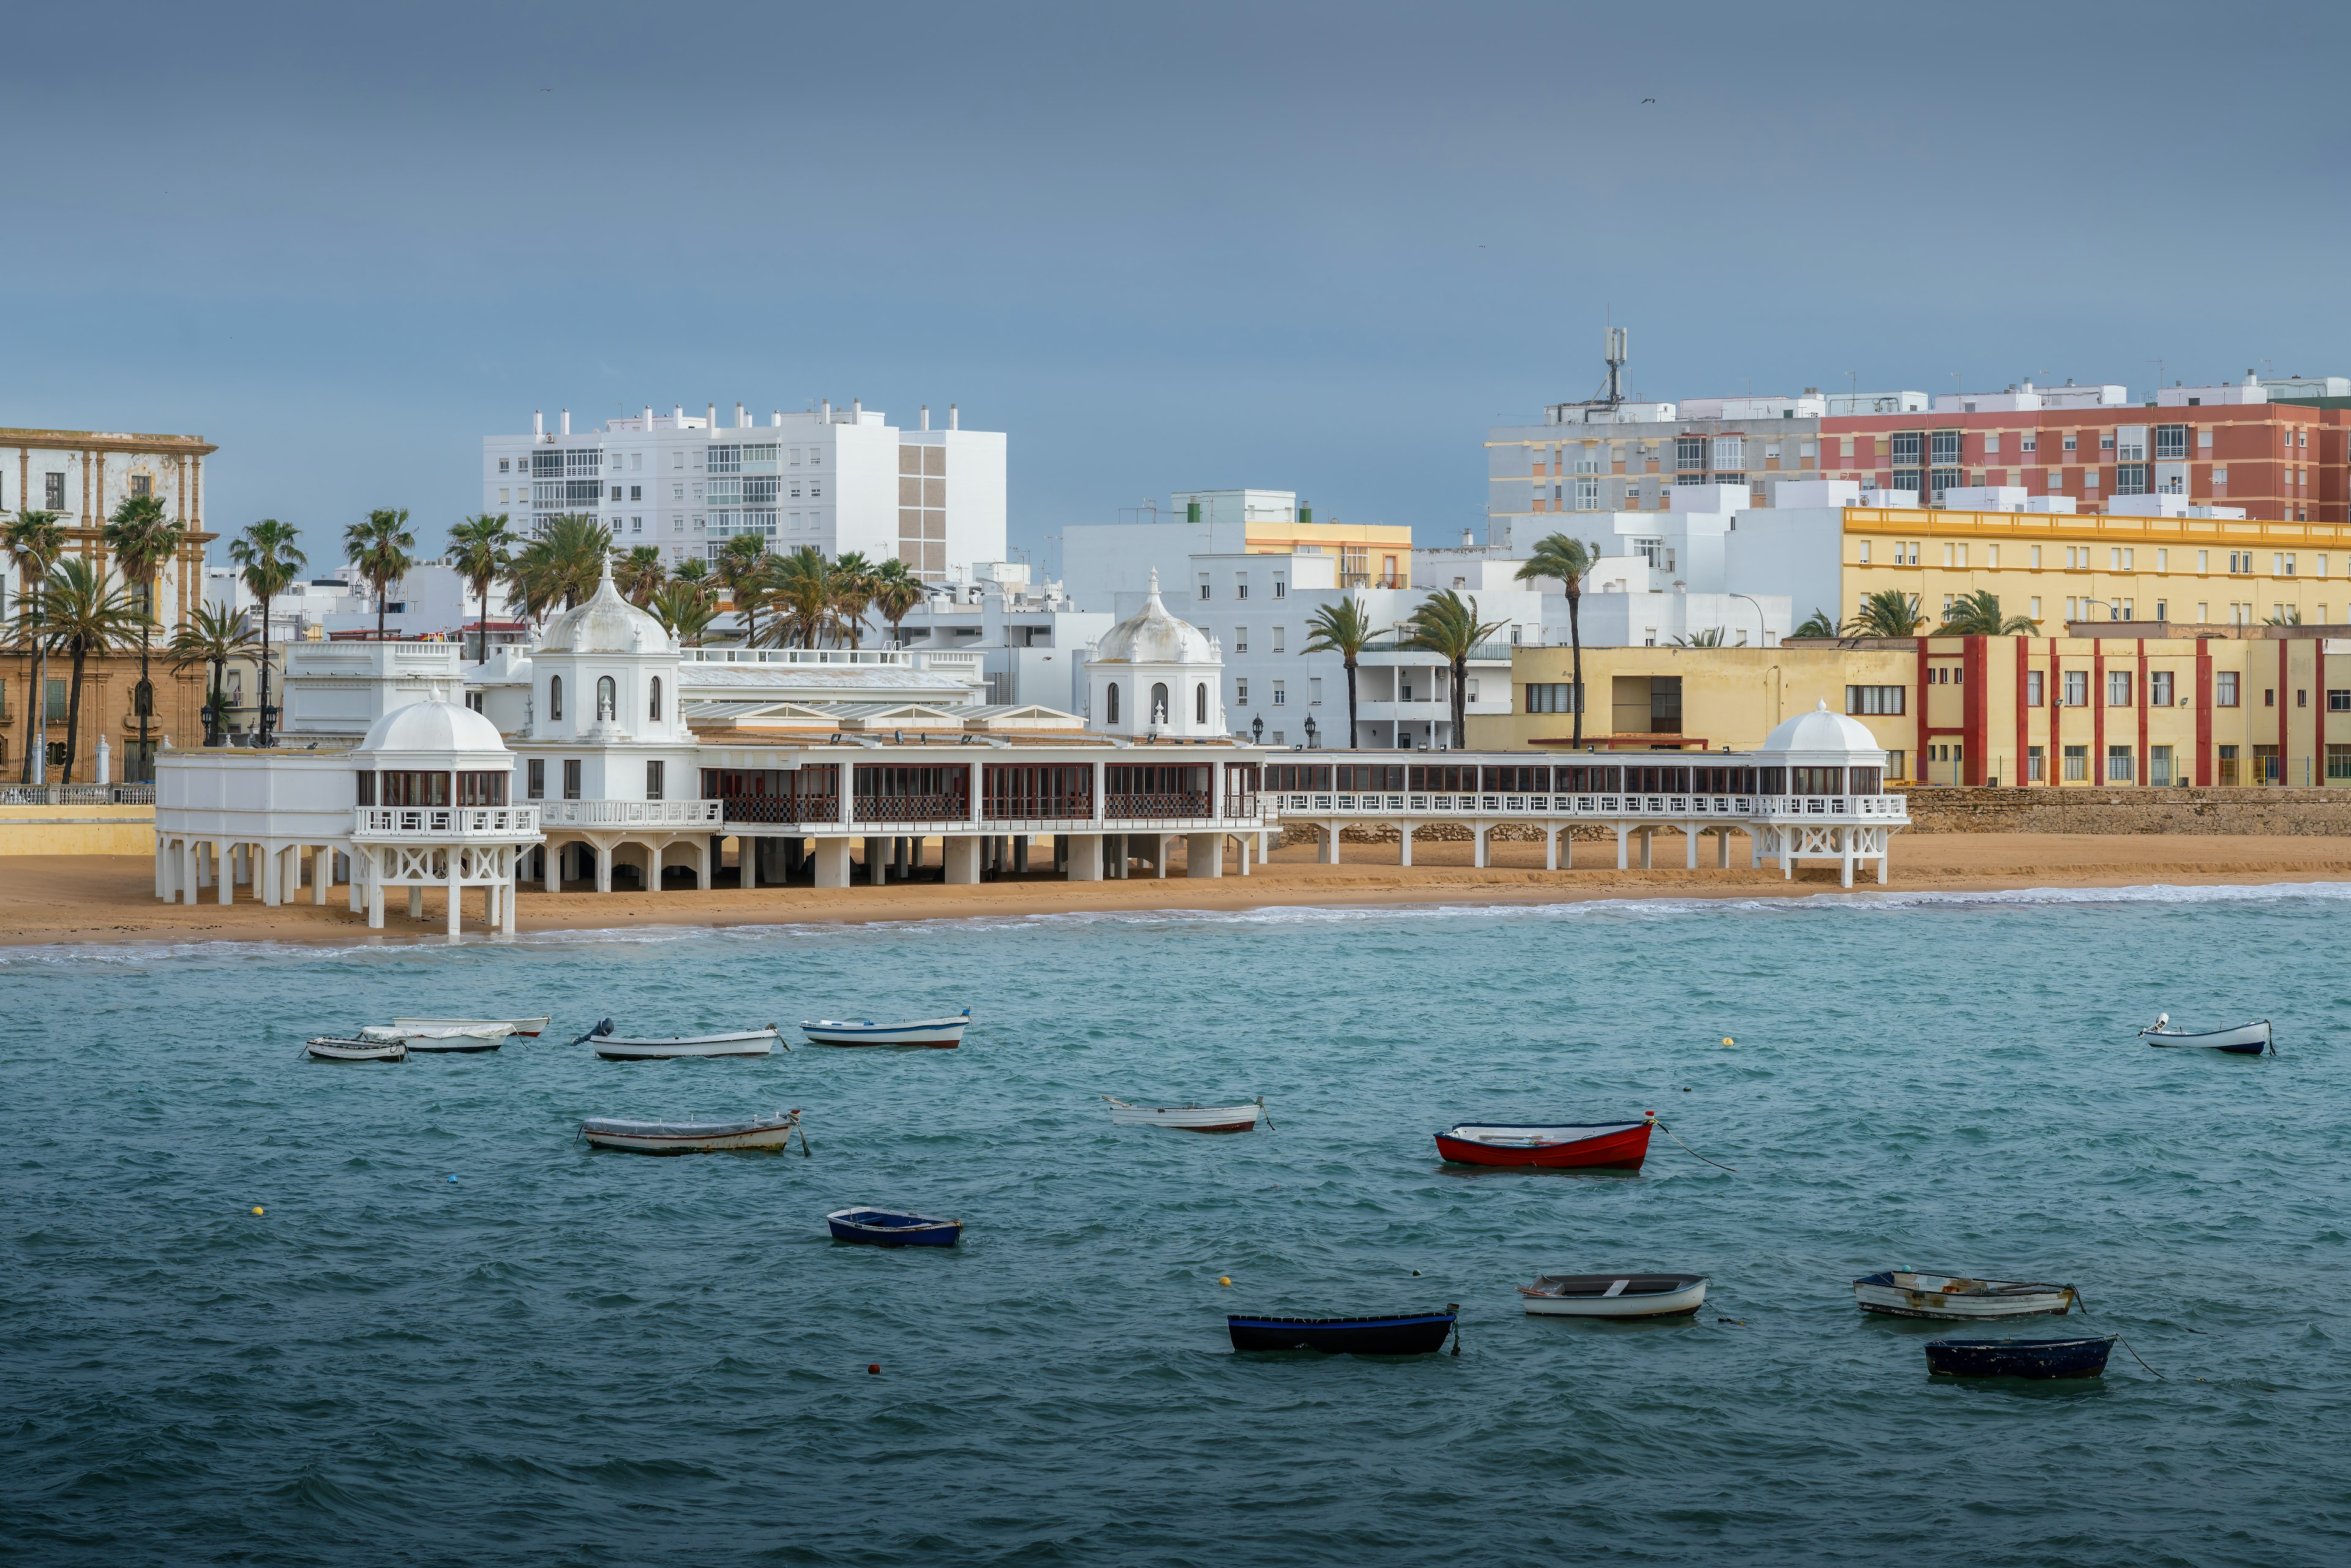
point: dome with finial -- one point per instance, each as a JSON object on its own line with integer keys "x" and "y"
{"x": 1152, "y": 636}
{"x": 605, "y": 623}
{"x": 1824, "y": 733}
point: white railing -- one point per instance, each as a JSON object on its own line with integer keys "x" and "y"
{"x": 1674, "y": 807}
{"x": 631, "y": 813}
{"x": 1037, "y": 826}
{"x": 78, "y": 795}
{"x": 447, "y": 822}
{"x": 902, "y": 658}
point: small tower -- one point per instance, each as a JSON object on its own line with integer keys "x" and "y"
{"x": 1152, "y": 676}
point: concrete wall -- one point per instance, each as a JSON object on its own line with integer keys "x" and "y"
{"x": 77, "y": 829}
{"x": 2293, "y": 813}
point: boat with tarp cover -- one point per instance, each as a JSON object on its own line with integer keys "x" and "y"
{"x": 1567, "y": 1146}
{"x": 693, "y": 1137}
{"x": 1394, "y": 1333}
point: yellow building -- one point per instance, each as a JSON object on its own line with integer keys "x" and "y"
{"x": 1273, "y": 522}
{"x": 2264, "y": 706}
{"x": 2056, "y": 567}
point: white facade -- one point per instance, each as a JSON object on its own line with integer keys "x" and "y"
{"x": 1153, "y": 675}
{"x": 836, "y": 480}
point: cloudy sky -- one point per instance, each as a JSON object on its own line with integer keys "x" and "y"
{"x": 1312, "y": 247}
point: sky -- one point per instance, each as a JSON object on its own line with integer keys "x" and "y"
{"x": 1315, "y": 247}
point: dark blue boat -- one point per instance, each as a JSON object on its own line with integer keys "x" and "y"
{"x": 2084, "y": 1357}
{"x": 886, "y": 1227}
{"x": 1400, "y": 1334}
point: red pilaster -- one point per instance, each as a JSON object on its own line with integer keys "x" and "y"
{"x": 2203, "y": 714}
{"x": 2098, "y": 712}
{"x": 1972, "y": 708}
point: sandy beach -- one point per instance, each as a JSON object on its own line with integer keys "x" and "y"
{"x": 111, "y": 898}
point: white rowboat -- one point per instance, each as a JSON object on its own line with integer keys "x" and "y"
{"x": 1621, "y": 1296}
{"x": 2245, "y": 1040}
{"x": 631, "y": 1048}
{"x": 693, "y": 1137}
{"x": 334, "y": 1048}
{"x": 1901, "y": 1294}
{"x": 942, "y": 1034}
{"x": 1188, "y": 1118}
{"x": 469, "y": 1039}
{"x": 532, "y": 1026}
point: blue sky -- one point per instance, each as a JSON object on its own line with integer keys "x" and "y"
{"x": 1316, "y": 247}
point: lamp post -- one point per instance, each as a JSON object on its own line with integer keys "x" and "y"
{"x": 1762, "y": 627}
{"x": 1256, "y": 729}
{"x": 1310, "y": 733}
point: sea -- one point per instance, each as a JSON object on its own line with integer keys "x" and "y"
{"x": 258, "y": 1310}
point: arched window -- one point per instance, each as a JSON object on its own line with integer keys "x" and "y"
{"x": 554, "y": 696}
{"x": 1159, "y": 702}
{"x": 655, "y": 711}
{"x": 607, "y": 698}
{"x": 1200, "y": 704}
{"x": 1110, "y": 704}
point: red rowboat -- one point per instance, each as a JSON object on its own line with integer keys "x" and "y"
{"x": 1598, "y": 1147}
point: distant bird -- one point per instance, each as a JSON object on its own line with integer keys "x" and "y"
{"x": 1643, "y": 101}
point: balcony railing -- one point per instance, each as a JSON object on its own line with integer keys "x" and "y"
{"x": 628, "y": 813}
{"x": 1171, "y": 803}
{"x": 78, "y": 795}
{"x": 819, "y": 809}
{"x": 911, "y": 808}
{"x": 501, "y": 822}
{"x": 1672, "y": 807}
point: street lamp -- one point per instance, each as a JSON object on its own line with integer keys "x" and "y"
{"x": 1762, "y": 627}
{"x": 1256, "y": 728}
{"x": 1309, "y": 731}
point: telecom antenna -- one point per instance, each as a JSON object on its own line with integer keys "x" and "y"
{"x": 1617, "y": 353}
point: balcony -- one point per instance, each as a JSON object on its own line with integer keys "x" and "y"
{"x": 497, "y": 824}
{"x": 1888, "y": 808}
{"x": 631, "y": 813}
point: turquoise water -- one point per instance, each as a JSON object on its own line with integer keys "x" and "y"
{"x": 571, "y": 1357}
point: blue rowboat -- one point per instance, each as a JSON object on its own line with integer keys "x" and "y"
{"x": 886, "y": 1227}
{"x": 1398, "y": 1333}
{"x": 2083, "y": 1357}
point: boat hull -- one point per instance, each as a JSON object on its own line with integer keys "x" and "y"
{"x": 1950, "y": 1298}
{"x": 671, "y": 1049}
{"x": 932, "y": 1034}
{"x": 860, "y": 1225}
{"x": 1187, "y": 1118}
{"x": 1618, "y": 1145}
{"x": 2037, "y": 1358}
{"x": 2245, "y": 1040}
{"x": 1621, "y": 1298}
{"x": 325, "y": 1048}
{"x": 454, "y": 1045}
{"x": 688, "y": 1137}
{"x": 1407, "y": 1333}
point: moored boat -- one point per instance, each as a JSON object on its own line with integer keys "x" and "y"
{"x": 1598, "y": 1146}
{"x": 2243, "y": 1040}
{"x": 888, "y": 1227}
{"x": 464, "y": 1041}
{"x": 649, "y": 1047}
{"x": 1904, "y": 1293}
{"x": 532, "y": 1026}
{"x": 1394, "y": 1334}
{"x": 1188, "y": 1118}
{"x": 939, "y": 1034}
{"x": 2083, "y": 1357}
{"x": 339, "y": 1048}
{"x": 1619, "y": 1296}
{"x": 693, "y": 1137}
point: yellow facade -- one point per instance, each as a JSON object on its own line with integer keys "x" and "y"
{"x": 77, "y": 830}
{"x": 1371, "y": 555}
{"x": 2053, "y": 568}
{"x": 2105, "y": 711}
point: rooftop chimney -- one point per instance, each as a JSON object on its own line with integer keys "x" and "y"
{"x": 740, "y": 421}
{"x": 649, "y": 416}
{"x": 712, "y": 417}
{"x": 1466, "y": 539}
{"x": 677, "y": 412}
{"x": 856, "y": 410}
{"x": 538, "y": 421}
{"x": 951, "y": 418}
{"x": 828, "y": 411}
{"x": 926, "y": 416}
{"x": 776, "y": 417}
{"x": 567, "y": 421}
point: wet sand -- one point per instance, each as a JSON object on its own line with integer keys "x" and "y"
{"x": 111, "y": 898}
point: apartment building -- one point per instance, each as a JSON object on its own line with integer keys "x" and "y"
{"x": 2261, "y": 705}
{"x": 1629, "y": 457}
{"x": 841, "y": 481}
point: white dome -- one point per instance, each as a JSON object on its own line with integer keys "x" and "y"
{"x": 1152, "y": 636}
{"x": 606, "y": 624}
{"x": 1821, "y": 730}
{"x": 432, "y": 726}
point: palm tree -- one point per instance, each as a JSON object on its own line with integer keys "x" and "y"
{"x": 694, "y": 570}
{"x": 741, "y": 569}
{"x": 1978, "y": 614}
{"x": 379, "y": 547}
{"x": 2293, "y": 617}
{"x": 212, "y": 637}
{"x": 34, "y": 541}
{"x": 143, "y": 539}
{"x": 1569, "y": 561}
{"x": 807, "y": 601}
{"x": 1342, "y": 629}
{"x": 853, "y": 584}
{"x": 1817, "y": 626}
{"x": 639, "y": 574}
{"x": 684, "y": 612}
{"x": 1709, "y": 638}
{"x": 482, "y": 549}
{"x": 1447, "y": 623}
{"x": 561, "y": 565}
{"x": 1888, "y": 612}
{"x": 271, "y": 562}
{"x": 79, "y": 611}
{"x": 896, "y": 591}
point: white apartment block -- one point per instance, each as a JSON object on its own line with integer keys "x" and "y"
{"x": 837, "y": 480}
{"x": 1629, "y": 457}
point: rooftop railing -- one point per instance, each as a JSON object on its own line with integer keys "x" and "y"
{"x": 496, "y": 822}
{"x": 629, "y": 813}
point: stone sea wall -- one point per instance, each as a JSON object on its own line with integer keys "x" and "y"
{"x": 2321, "y": 813}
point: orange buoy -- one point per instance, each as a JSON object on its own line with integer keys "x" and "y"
{"x": 874, "y": 1367}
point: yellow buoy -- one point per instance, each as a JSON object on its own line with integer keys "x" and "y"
{"x": 1221, "y": 1278}
{"x": 1727, "y": 1040}
{"x": 256, "y": 1209}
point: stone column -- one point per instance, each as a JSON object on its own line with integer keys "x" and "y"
{"x": 322, "y": 872}
{"x": 551, "y": 866}
{"x": 833, "y": 861}
{"x": 1085, "y": 857}
{"x": 746, "y": 861}
{"x": 375, "y": 891}
{"x": 1689, "y": 846}
{"x": 509, "y": 895}
{"x": 1204, "y": 854}
{"x": 416, "y": 901}
{"x": 1020, "y": 853}
{"x": 224, "y": 871}
{"x": 1621, "y": 831}
{"x": 961, "y": 856}
{"x": 1478, "y": 832}
{"x": 654, "y": 867}
{"x": 1329, "y": 850}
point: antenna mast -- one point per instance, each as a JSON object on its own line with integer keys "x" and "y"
{"x": 1616, "y": 352}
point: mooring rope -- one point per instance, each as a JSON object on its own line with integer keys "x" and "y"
{"x": 1687, "y": 1150}
{"x": 2118, "y": 1339}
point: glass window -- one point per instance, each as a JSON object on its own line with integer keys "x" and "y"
{"x": 2033, "y": 679}
{"x": 534, "y": 774}
{"x": 2118, "y": 765}
{"x": 2159, "y": 688}
{"x": 653, "y": 771}
{"x": 2224, "y": 688}
{"x": 571, "y": 778}
{"x": 2077, "y": 764}
{"x": 2119, "y": 688}
{"x": 554, "y": 696}
{"x": 2077, "y": 688}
